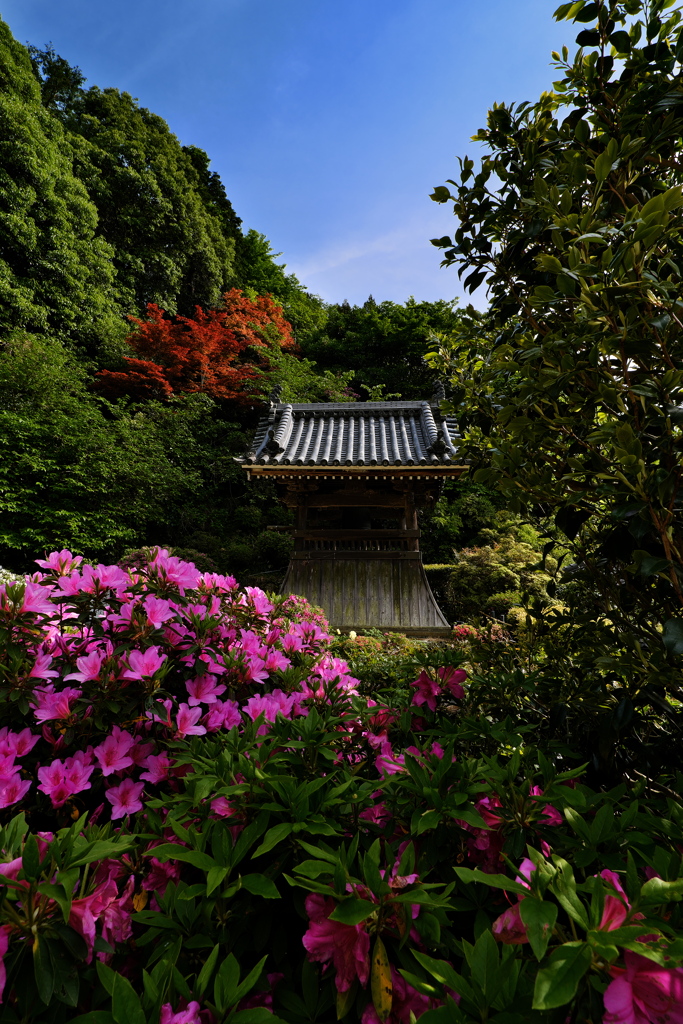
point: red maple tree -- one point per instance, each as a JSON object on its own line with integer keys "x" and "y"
{"x": 210, "y": 353}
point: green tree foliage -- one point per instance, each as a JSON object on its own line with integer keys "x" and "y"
{"x": 56, "y": 273}
{"x": 573, "y": 380}
{"x": 170, "y": 248}
{"x": 257, "y": 271}
{"x": 384, "y": 343}
{"x": 70, "y": 475}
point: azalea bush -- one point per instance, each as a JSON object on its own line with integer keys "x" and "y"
{"x": 207, "y": 817}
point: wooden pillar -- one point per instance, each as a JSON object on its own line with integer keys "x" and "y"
{"x": 301, "y": 517}
{"x": 411, "y": 517}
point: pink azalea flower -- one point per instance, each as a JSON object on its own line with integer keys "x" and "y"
{"x": 158, "y": 611}
{"x": 158, "y": 767}
{"x": 143, "y": 664}
{"x": 270, "y": 705}
{"x": 163, "y": 717}
{"x": 276, "y": 661}
{"x": 8, "y": 768}
{"x": 426, "y": 691}
{"x": 221, "y": 806}
{"x": 255, "y": 669}
{"x": 212, "y": 581}
{"x": 390, "y": 764}
{"x": 159, "y": 875}
{"x": 140, "y": 751}
{"x": 642, "y": 992}
{"x": 60, "y": 562}
{"x": 347, "y": 946}
{"x": 203, "y": 690}
{"x": 452, "y": 678}
{"x": 190, "y": 1015}
{"x": 12, "y": 791}
{"x": 114, "y": 753}
{"x": 37, "y": 600}
{"x": 117, "y": 925}
{"x": 4, "y": 945}
{"x": 53, "y": 783}
{"x": 86, "y": 911}
{"x": 616, "y": 907}
{"x": 509, "y": 927}
{"x": 550, "y": 813}
{"x": 222, "y": 715}
{"x": 77, "y": 773}
{"x": 292, "y": 643}
{"x": 41, "y": 668}
{"x": 125, "y": 799}
{"x": 17, "y": 743}
{"x": 88, "y": 667}
{"x": 49, "y": 706}
{"x": 378, "y": 814}
{"x": 172, "y": 570}
{"x": 258, "y": 601}
{"x": 186, "y": 722}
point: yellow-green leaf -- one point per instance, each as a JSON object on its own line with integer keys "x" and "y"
{"x": 380, "y": 980}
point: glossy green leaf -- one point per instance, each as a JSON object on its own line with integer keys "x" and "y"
{"x": 557, "y": 983}
{"x": 539, "y": 917}
{"x": 260, "y": 885}
{"x": 353, "y": 911}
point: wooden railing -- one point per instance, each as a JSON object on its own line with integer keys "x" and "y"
{"x": 361, "y": 542}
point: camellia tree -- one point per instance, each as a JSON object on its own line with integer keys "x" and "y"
{"x": 572, "y": 380}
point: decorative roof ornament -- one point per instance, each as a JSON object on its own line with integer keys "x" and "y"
{"x": 439, "y": 447}
{"x": 439, "y": 392}
{"x": 275, "y": 395}
{"x": 272, "y": 447}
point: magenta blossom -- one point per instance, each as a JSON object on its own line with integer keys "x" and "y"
{"x": 222, "y": 715}
{"x": 4, "y": 945}
{"x": 86, "y": 911}
{"x": 17, "y": 743}
{"x": 203, "y": 690}
{"x": 49, "y": 706}
{"x": 125, "y": 799}
{"x": 117, "y": 925}
{"x": 158, "y": 767}
{"x": 509, "y": 927}
{"x": 144, "y": 664}
{"x": 158, "y": 611}
{"x": 13, "y": 790}
{"x": 616, "y": 907}
{"x": 88, "y": 666}
{"x": 60, "y": 780}
{"x": 186, "y": 722}
{"x": 346, "y": 945}
{"x": 190, "y": 1015}
{"x": 114, "y": 753}
{"x": 41, "y": 668}
{"x": 426, "y": 691}
{"x": 60, "y": 562}
{"x": 36, "y": 600}
{"x": 452, "y": 678}
{"x": 642, "y": 992}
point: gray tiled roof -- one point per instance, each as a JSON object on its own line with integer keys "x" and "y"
{"x": 355, "y": 434}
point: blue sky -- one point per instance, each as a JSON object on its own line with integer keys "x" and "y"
{"x": 329, "y": 121}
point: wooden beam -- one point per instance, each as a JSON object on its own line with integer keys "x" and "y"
{"x": 332, "y": 534}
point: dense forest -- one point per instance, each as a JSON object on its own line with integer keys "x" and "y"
{"x": 141, "y": 329}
